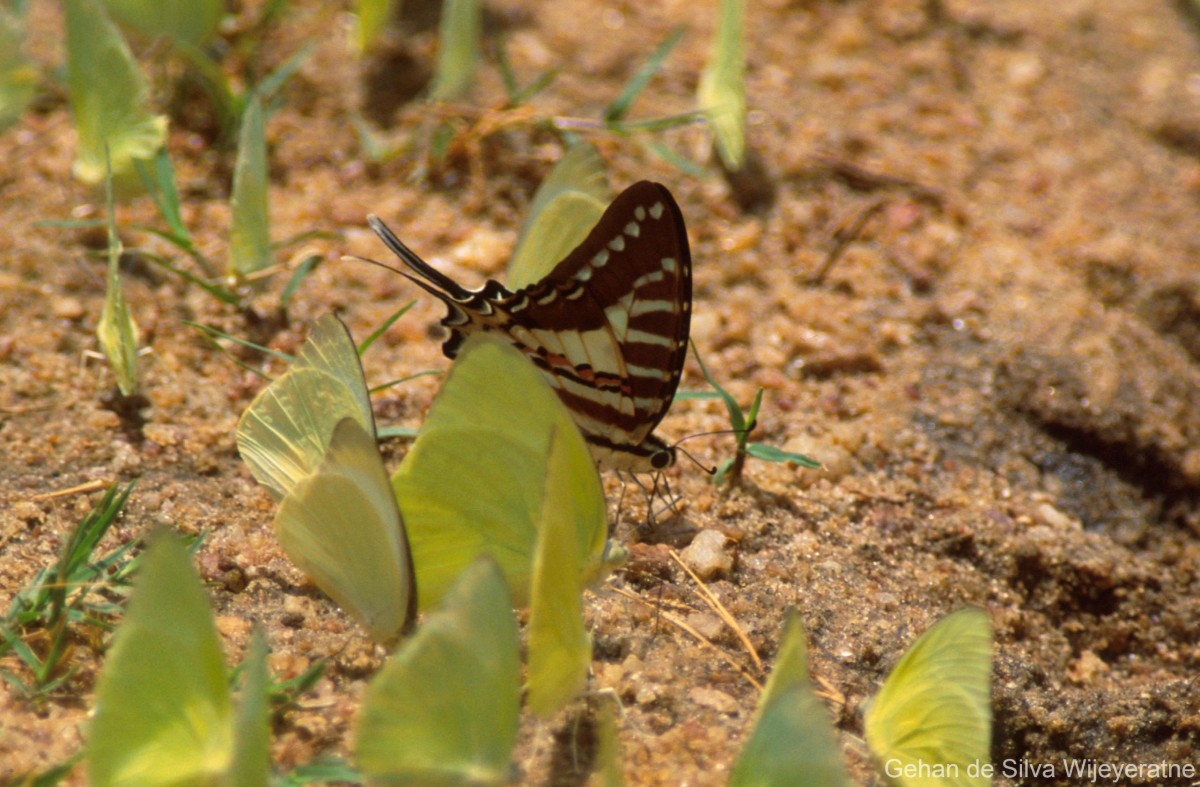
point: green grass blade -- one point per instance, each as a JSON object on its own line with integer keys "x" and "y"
{"x": 219, "y": 334}
{"x": 518, "y": 95}
{"x": 404, "y": 379}
{"x": 163, "y": 713}
{"x": 685, "y": 165}
{"x": 388, "y": 323}
{"x": 108, "y": 99}
{"x": 373, "y": 16}
{"x": 299, "y": 274}
{"x": 250, "y": 241}
{"x": 116, "y": 330}
{"x": 688, "y": 396}
{"x": 770, "y": 453}
{"x": 458, "y": 55}
{"x": 617, "y": 110}
{"x": 608, "y": 746}
{"x": 722, "y": 89}
{"x": 391, "y": 432}
{"x": 737, "y": 420}
{"x": 218, "y": 292}
{"x": 507, "y": 76}
{"x": 194, "y": 21}
{"x": 268, "y": 89}
{"x": 161, "y": 187}
{"x": 18, "y": 77}
{"x": 322, "y": 771}
{"x": 227, "y": 105}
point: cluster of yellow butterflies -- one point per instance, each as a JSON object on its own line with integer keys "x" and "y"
{"x": 445, "y": 707}
{"x": 497, "y": 504}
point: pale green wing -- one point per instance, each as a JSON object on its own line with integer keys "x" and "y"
{"x": 474, "y": 480}
{"x": 251, "y": 765}
{"x": 283, "y": 433}
{"x": 791, "y": 661}
{"x": 560, "y": 649}
{"x": 341, "y": 526}
{"x": 109, "y": 99}
{"x": 935, "y": 707}
{"x": 163, "y": 713}
{"x": 567, "y": 205}
{"x": 444, "y": 709}
{"x": 792, "y": 742}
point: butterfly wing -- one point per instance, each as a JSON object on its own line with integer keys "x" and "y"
{"x": 935, "y": 706}
{"x": 458, "y": 505}
{"x": 444, "y": 708}
{"x": 341, "y": 526}
{"x": 283, "y": 433}
{"x": 566, "y": 206}
{"x": 609, "y": 324}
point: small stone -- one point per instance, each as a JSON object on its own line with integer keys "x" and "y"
{"x": 706, "y": 624}
{"x": 163, "y": 435}
{"x": 1056, "y": 519}
{"x": 708, "y": 555}
{"x": 67, "y": 308}
{"x": 711, "y": 698}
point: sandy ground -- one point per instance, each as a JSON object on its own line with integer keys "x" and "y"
{"x": 999, "y": 371}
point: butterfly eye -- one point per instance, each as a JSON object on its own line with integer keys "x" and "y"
{"x": 663, "y": 459}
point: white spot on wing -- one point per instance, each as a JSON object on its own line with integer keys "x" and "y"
{"x": 649, "y": 307}
{"x": 618, "y": 316}
{"x": 639, "y": 213}
{"x": 668, "y": 264}
{"x": 601, "y": 258}
{"x": 645, "y": 371}
{"x": 645, "y": 337}
{"x": 632, "y": 229}
{"x": 549, "y": 298}
{"x": 617, "y": 243}
{"x": 656, "y": 210}
{"x": 647, "y": 278}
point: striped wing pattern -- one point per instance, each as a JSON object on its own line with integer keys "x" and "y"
{"x": 608, "y": 326}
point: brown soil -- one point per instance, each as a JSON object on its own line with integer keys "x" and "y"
{"x": 1000, "y": 372}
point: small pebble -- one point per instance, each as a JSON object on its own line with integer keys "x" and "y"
{"x": 708, "y": 555}
{"x": 711, "y": 698}
{"x": 67, "y": 308}
{"x": 706, "y": 624}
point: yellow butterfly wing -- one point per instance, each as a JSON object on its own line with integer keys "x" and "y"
{"x": 341, "y": 526}
{"x": 475, "y": 480}
{"x": 567, "y": 205}
{"x": 931, "y": 723}
{"x": 444, "y": 708}
{"x": 282, "y": 435}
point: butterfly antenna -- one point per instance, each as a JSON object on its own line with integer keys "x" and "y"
{"x": 376, "y": 263}
{"x": 418, "y": 265}
{"x": 695, "y": 461}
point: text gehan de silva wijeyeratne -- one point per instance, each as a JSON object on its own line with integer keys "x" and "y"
{"x": 1083, "y": 771}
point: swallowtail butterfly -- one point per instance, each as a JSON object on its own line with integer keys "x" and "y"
{"x": 608, "y": 325}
